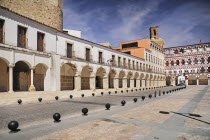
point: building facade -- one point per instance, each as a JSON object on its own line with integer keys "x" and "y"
{"x": 37, "y": 57}
{"x": 188, "y": 64}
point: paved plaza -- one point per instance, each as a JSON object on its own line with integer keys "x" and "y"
{"x": 188, "y": 116}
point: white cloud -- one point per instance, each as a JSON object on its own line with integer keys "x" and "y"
{"x": 178, "y": 28}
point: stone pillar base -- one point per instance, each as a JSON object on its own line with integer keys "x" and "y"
{"x": 32, "y": 88}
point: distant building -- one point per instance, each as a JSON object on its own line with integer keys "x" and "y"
{"x": 188, "y": 64}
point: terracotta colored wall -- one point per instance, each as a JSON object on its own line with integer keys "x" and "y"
{"x": 138, "y": 52}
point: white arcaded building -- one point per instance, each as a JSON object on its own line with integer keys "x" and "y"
{"x": 35, "y": 56}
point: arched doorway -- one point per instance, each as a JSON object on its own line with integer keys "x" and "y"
{"x": 21, "y": 76}
{"x": 112, "y": 74}
{"x": 203, "y": 80}
{"x": 130, "y": 74}
{"x": 99, "y": 77}
{"x": 192, "y": 80}
{"x": 39, "y": 76}
{"x": 85, "y": 77}
{"x": 67, "y": 76}
{"x": 121, "y": 75}
{"x": 4, "y": 77}
{"x": 168, "y": 80}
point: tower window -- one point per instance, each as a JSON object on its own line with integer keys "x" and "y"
{"x": 154, "y": 32}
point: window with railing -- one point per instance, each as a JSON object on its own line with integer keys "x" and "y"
{"x": 177, "y": 62}
{"x": 183, "y": 62}
{"x": 202, "y": 70}
{"x": 208, "y": 59}
{"x": 129, "y": 64}
{"x": 40, "y": 42}
{"x": 137, "y": 65}
{"x": 208, "y": 69}
{"x": 100, "y": 57}
{"x": 124, "y": 62}
{"x": 196, "y": 61}
{"x": 167, "y": 63}
{"x": 21, "y": 37}
{"x": 119, "y": 60}
{"x": 189, "y": 61}
{"x": 113, "y": 60}
{"x": 172, "y": 63}
{"x": 133, "y": 65}
{"x": 2, "y": 31}
{"x": 202, "y": 60}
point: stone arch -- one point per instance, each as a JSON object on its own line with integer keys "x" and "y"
{"x": 168, "y": 80}
{"x": 85, "y": 77}
{"x": 129, "y": 75}
{"x": 135, "y": 78}
{"x": 146, "y": 80}
{"x": 112, "y": 74}
{"x": 121, "y": 76}
{"x": 192, "y": 80}
{"x": 141, "y": 78}
{"x": 100, "y": 73}
{"x": 39, "y": 76}
{"x": 21, "y": 76}
{"x": 203, "y": 79}
{"x": 67, "y": 75}
{"x": 4, "y": 77}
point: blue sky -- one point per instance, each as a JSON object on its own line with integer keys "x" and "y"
{"x": 181, "y": 22}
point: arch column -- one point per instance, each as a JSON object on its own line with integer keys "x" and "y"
{"x": 137, "y": 83}
{"x": 116, "y": 82}
{"x": 131, "y": 83}
{"x": 92, "y": 82}
{"x": 148, "y": 83}
{"x": 143, "y": 83}
{"x": 124, "y": 82}
{"x": 105, "y": 82}
{"x": 77, "y": 81}
{"x": 11, "y": 78}
{"x": 32, "y": 87}
{"x": 197, "y": 81}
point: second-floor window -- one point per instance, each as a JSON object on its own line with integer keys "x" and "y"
{"x": 40, "y": 42}
{"x": 69, "y": 50}
{"x": 21, "y": 37}
{"x": 133, "y": 65}
{"x": 113, "y": 59}
{"x": 137, "y": 65}
{"x": 129, "y": 63}
{"x": 87, "y": 54}
{"x": 119, "y": 60}
{"x": 124, "y": 62}
{"x": 100, "y": 57}
{"x": 1, "y": 31}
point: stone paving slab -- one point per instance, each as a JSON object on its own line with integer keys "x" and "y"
{"x": 99, "y": 130}
{"x": 150, "y": 112}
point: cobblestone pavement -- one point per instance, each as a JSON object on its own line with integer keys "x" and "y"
{"x": 140, "y": 120}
